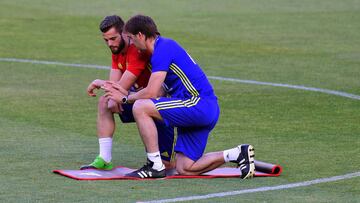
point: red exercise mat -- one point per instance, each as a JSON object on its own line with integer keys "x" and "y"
{"x": 262, "y": 169}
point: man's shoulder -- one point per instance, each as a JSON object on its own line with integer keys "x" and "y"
{"x": 163, "y": 41}
{"x": 132, "y": 48}
{"x": 166, "y": 46}
{"x": 135, "y": 53}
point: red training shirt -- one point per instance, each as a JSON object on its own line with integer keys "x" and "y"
{"x": 134, "y": 61}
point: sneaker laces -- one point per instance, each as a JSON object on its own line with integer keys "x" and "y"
{"x": 147, "y": 166}
{"x": 240, "y": 161}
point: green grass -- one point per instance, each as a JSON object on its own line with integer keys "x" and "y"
{"x": 48, "y": 122}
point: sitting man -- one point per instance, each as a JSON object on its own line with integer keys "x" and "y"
{"x": 129, "y": 70}
{"x": 192, "y": 107}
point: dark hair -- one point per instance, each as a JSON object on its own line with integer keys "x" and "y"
{"x": 112, "y": 21}
{"x": 143, "y": 24}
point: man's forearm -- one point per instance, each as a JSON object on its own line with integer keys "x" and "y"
{"x": 115, "y": 75}
{"x": 153, "y": 89}
{"x": 142, "y": 94}
{"x": 145, "y": 94}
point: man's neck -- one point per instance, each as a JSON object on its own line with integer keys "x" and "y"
{"x": 150, "y": 44}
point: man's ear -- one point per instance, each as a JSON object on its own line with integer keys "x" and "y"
{"x": 141, "y": 35}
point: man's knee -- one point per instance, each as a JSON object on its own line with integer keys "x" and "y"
{"x": 180, "y": 170}
{"x": 185, "y": 170}
{"x": 141, "y": 106}
{"x": 106, "y": 105}
{"x": 183, "y": 164}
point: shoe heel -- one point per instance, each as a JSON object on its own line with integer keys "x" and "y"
{"x": 251, "y": 152}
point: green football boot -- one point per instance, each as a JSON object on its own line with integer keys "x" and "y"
{"x": 98, "y": 163}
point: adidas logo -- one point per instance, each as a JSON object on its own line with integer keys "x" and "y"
{"x": 143, "y": 174}
{"x": 165, "y": 154}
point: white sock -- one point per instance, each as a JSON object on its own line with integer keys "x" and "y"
{"x": 231, "y": 154}
{"x": 156, "y": 158}
{"x": 105, "y": 147}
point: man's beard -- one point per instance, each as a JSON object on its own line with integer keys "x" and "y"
{"x": 120, "y": 47}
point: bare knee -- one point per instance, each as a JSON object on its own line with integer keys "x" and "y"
{"x": 182, "y": 170}
{"x": 184, "y": 165}
{"x": 139, "y": 107}
{"x": 145, "y": 107}
{"x": 106, "y": 105}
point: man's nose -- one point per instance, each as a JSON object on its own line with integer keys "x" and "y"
{"x": 110, "y": 43}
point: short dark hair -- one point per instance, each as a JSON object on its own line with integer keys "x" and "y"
{"x": 112, "y": 21}
{"x": 143, "y": 24}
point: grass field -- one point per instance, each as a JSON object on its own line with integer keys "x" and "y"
{"x": 48, "y": 122}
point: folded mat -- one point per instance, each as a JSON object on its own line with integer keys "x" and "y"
{"x": 262, "y": 169}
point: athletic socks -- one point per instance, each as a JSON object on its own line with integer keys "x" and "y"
{"x": 156, "y": 159}
{"x": 105, "y": 147}
{"x": 231, "y": 154}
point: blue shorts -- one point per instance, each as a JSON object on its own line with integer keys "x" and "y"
{"x": 194, "y": 119}
{"x": 165, "y": 133}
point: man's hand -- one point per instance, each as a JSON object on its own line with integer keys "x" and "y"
{"x": 96, "y": 84}
{"x": 115, "y": 107}
{"x": 117, "y": 87}
{"x": 114, "y": 91}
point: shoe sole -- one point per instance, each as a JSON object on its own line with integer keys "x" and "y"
{"x": 142, "y": 176}
{"x": 87, "y": 167}
{"x": 251, "y": 155}
{"x": 93, "y": 167}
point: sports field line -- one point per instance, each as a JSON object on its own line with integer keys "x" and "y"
{"x": 299, "y": 87}
{"x": 259, "y": 189}
{"x": 314, "y": 89}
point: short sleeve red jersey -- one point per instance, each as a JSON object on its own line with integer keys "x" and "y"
{"x": 134, "y": 61}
